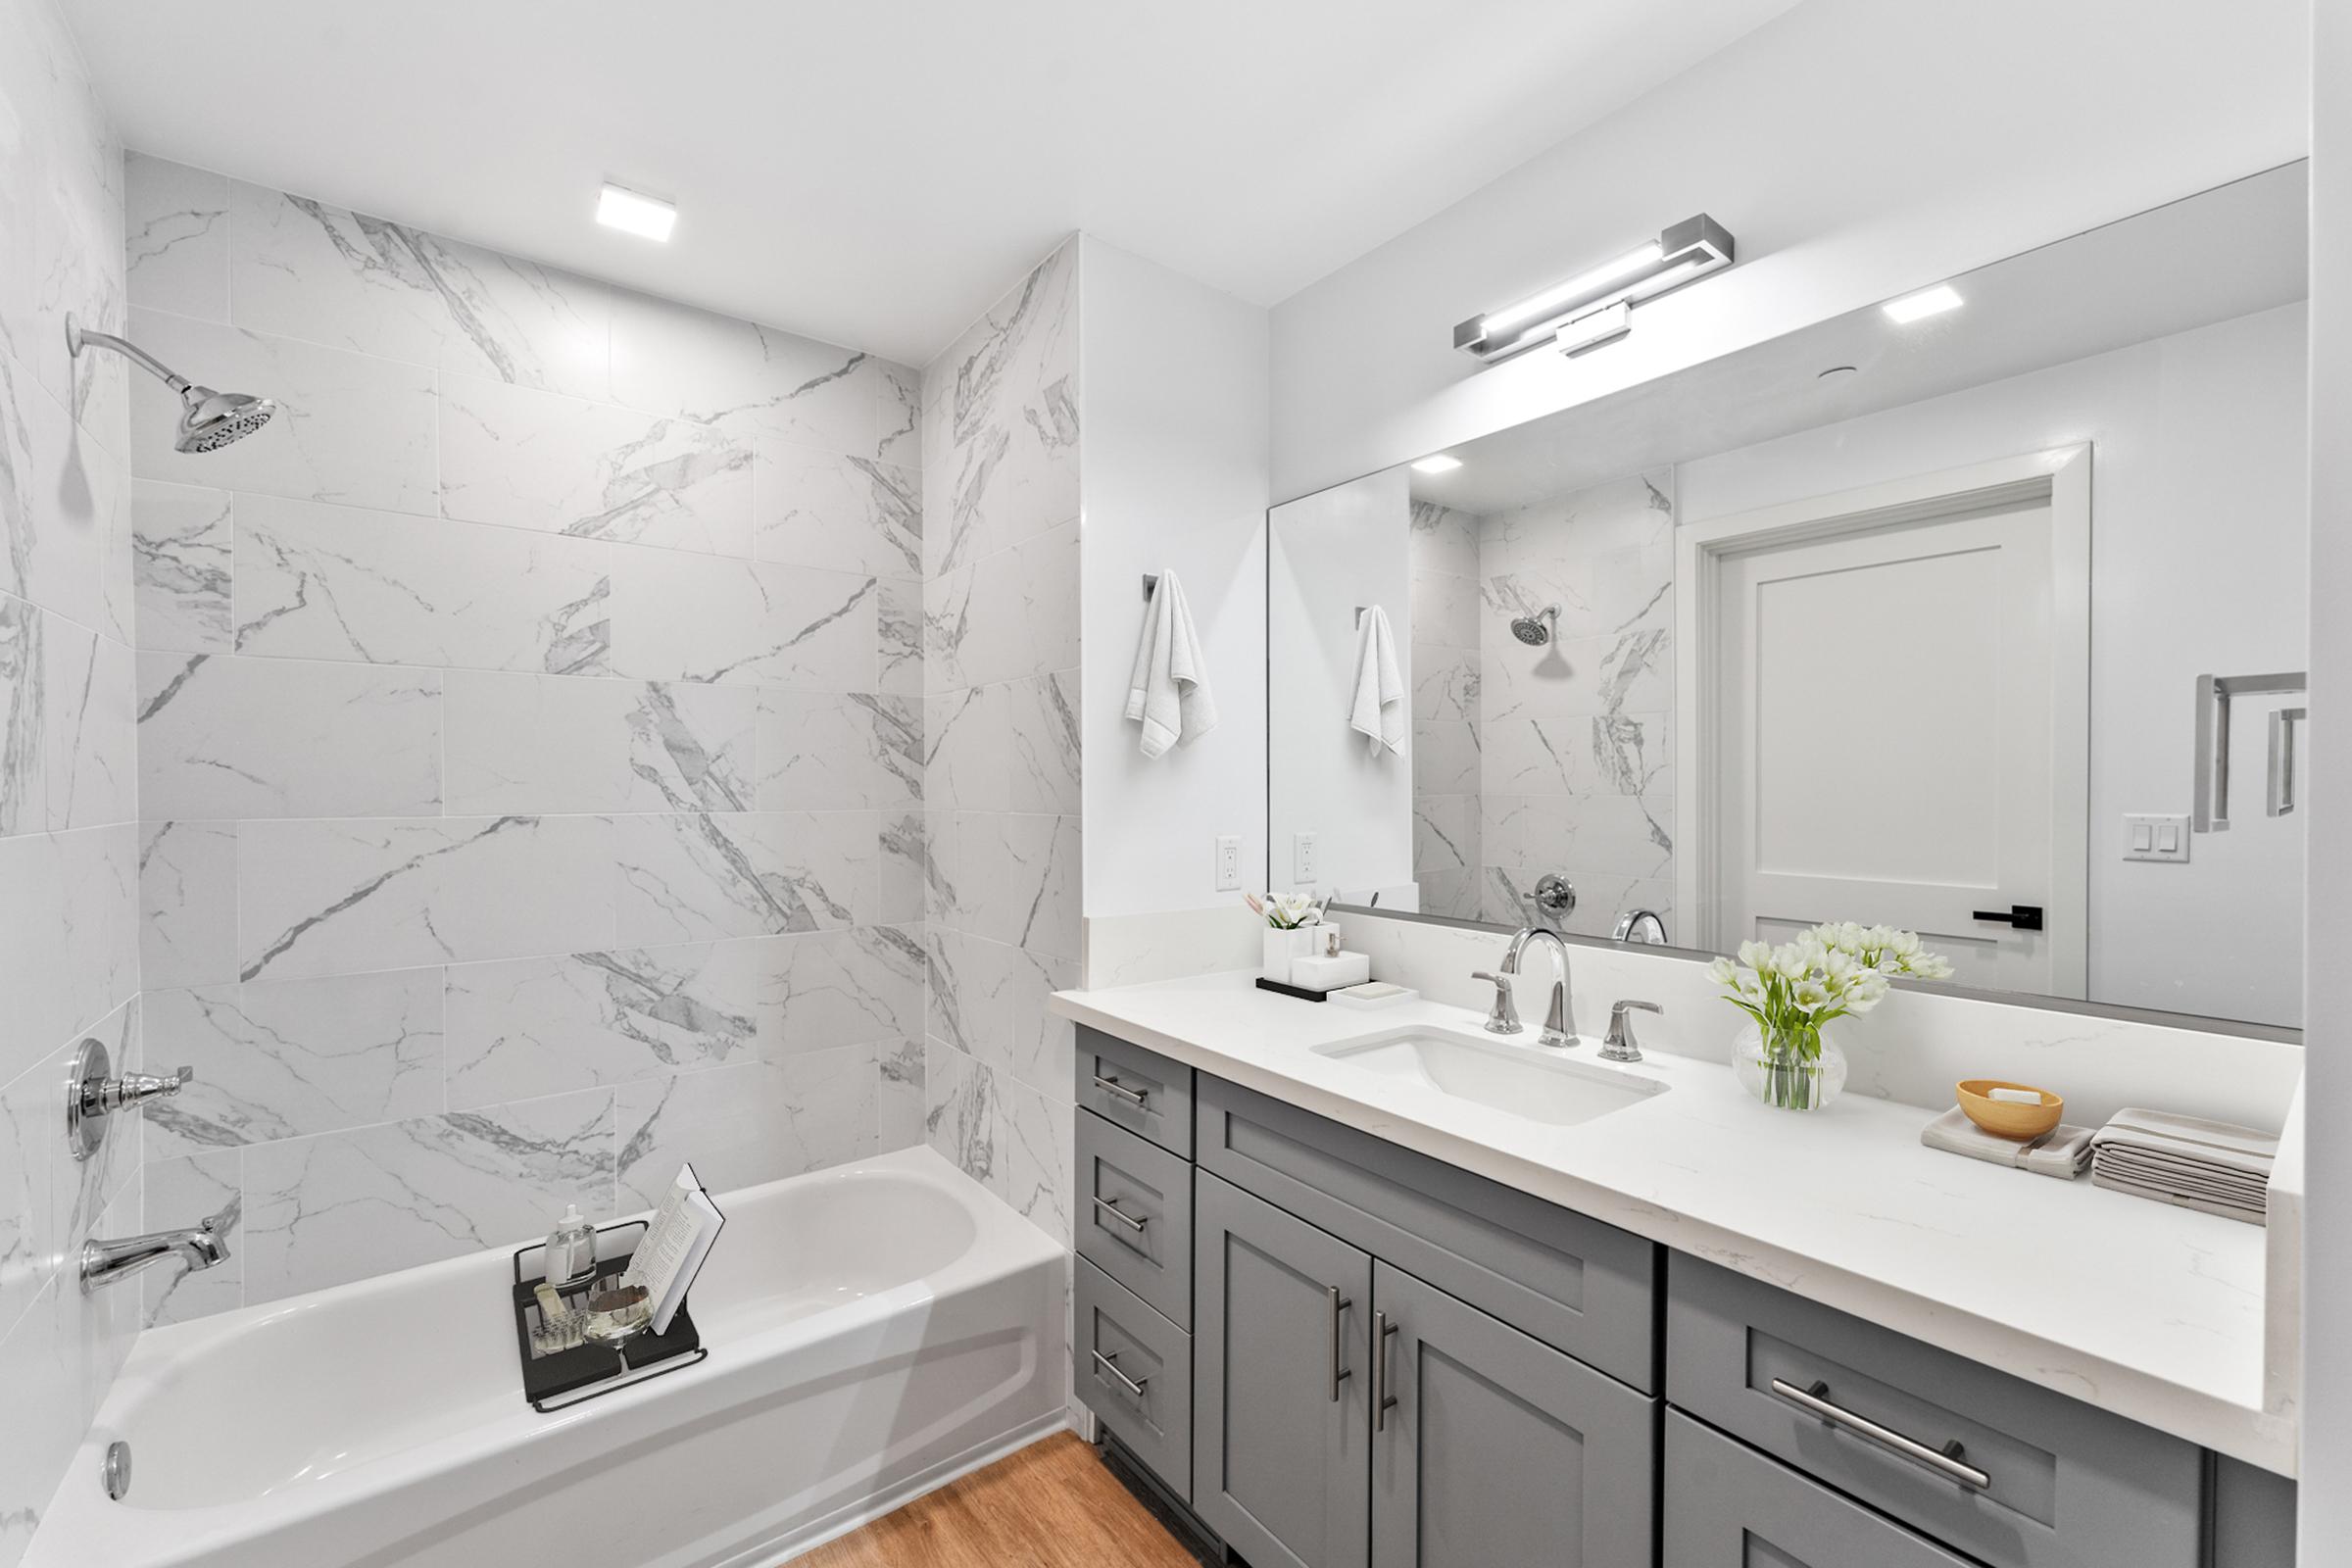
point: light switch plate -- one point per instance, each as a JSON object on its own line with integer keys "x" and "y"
{"x": 1229, "y": 862}
{"x": 2145, "y": 838}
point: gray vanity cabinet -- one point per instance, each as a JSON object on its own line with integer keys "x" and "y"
{"x": 1282, "y": 1413}
{"x": 1727, "y": 1506}
{"x": 1497, "y": 1449}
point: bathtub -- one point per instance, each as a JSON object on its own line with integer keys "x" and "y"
{"x": 874, "y": 1331}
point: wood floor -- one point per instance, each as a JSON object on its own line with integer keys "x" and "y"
{"x": 1050, "y": 1505}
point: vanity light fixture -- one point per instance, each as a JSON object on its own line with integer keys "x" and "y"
{"x": 1594, "y": 305}
{"x": 1922, "y": 304}
{"x": 1439, "y": 463}
{"x": 628, "y": 211}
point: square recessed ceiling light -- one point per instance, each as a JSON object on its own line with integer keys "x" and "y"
{"x": 1927, "y": 302}
{"x": 638, "y": 214}
{"x": 1440, "y": 464}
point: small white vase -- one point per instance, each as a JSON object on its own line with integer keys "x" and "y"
{"x": 1284, "y": 946}
{"x": 1784, "y": 1079}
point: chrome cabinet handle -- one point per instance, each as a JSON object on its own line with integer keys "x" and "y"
{"x": 1110, "y": 1206}
{"x": 1339, "y": 1374}
{"x": 1112, "y": 1086}
{"x": 1383, "y": 1402}
{"x": 1110, "y": 1363}
{"x": 1944, "y": 1461}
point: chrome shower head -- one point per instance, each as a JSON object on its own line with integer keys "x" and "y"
{"x": 1537, "y": 629}
{"x": 208, "y": 420}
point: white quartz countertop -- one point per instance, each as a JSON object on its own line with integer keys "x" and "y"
{"x": 2154, "y": 1312}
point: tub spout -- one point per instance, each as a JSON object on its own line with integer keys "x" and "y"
{"x": 198, "y": 1247}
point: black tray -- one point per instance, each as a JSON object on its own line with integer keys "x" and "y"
{"x": 560, "y": 1378}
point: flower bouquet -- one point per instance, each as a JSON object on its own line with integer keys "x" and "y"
{"x": 1790, "y": 992}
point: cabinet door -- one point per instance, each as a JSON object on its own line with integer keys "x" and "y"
{"x": 1281, "y": 1421}
{"x": 1497, "y": 1448}
{"x": 1729, "y": 1506}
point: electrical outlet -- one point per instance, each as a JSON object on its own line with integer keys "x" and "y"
{"x": 2155, "y": 838}
{"x": 1302, "y": 859}
{"x": 1229, "y": 862}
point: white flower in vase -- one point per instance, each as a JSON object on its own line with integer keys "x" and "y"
{"x": 1836, "y": 970}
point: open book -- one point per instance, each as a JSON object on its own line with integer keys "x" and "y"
{"x": 676, "y": 1243}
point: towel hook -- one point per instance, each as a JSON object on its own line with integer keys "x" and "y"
{"x": 1151, "y": 582}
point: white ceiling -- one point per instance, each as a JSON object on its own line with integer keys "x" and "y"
{"x": 875, "y": 172}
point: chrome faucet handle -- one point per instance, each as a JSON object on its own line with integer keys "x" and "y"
{"x": 1559, "y": 1032}
{"x": 1504, "y": 1019}
{"x": 134, "y": 1088}
{"x": 94, "y": 1094}
{"x": 1620, "y": 1044}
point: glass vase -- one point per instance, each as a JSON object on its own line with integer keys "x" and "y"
{"x": 1789, "y": 1070}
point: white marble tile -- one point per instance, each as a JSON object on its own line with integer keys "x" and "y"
{"x": 182, "y": 547}
{"x": 899, "y": 1095}
{"x": 1018, "y": 880}
{"x": 177, "y": 224}
{"x": 187, "y": 924}
{"x": 1446, "y": 611}
{"x": 962, "y": 1115}
{"x": 967, "y": 749}
{"x": 823, "y": 750}
{"x": 898, "y": 625}
{"x": 1042, "y": 739}
{"x": 823, "y": 989}
{"x": 304, "y": 269}
{"x": 537, "y": 1026}
{"x": 287, "y": 1058}
{"x": 1444, "y": 833}
{"x": 83, "y": 1189}
{"x": 943, "y": 868}
{"x": 337, "y": 896}
{"x": 1039, "y": 1157}
{"x": 1445, "y": 756}
{"x": 534, "y": 743}
{"x": 683, "y": 616}
{"x": 1443, "y": 539}
{"x": 701, "y": 877}
{"x": 690, "y": 747}
{"x": 412, "y": 1191}
{"x": 96, "y": 915}
{"x": 1446, "y": 682}
{"x": 1013, "y": 613}
{"x": 817, "y": 507}
{"x": 88, "y": 747}
{"x": 61, "y": 499}
{"x": 32, "y": 1158}
{"x": 44, "y": 1385}
{"x": 187, "y": 1191}
{"x": 528, "y": 458}
{"x": 670, "y": 359}
{"x": 337, "y": 582}
{"x": 220, "y": 736}
{"x": 905, "y": 866}
{"x": 351, "y": 428}
{"x": 744, "y": 1124}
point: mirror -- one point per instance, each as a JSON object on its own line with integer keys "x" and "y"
{"x": 1988, "y": 623}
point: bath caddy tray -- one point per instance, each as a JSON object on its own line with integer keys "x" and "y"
{"x": 556, "y": 1378}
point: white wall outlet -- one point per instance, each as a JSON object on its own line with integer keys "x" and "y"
{"x": 2155, "y": 838}
{"x": 1303, "y": 858}
{"x": 1229, "y": 862}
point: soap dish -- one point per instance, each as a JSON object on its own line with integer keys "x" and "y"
{"x": 1373, "y": 994}
{"x": 2008, "y": 1119}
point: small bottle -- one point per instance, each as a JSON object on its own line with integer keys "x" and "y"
{"x": 570, "y": 1247}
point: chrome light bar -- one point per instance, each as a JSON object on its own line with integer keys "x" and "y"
{"x": 1594, "y": 305}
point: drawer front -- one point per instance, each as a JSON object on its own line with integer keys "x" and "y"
{"x": 1134, "y": 1369}
{"x": 2038, "y": 1481}
{"x": 1727, "y": 1506}
{"x": 1136, "y": 1088}
{"x": 1135, "y": 1215}
{"x": 1576, "y": 1284}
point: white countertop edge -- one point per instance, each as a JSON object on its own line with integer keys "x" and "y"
{"x": 2241, "y": 1431}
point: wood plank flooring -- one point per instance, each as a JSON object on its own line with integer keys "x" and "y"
{"x": 1050, "y": 1505}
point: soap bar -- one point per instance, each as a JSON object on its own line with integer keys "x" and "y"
{"x": 1373, "y": 994}
{"x": 2014, "y": 1097}
{"x": 1329, "y": 975}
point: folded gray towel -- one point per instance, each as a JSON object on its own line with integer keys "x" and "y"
{"x": 2254, "y": 1215}
{"x": 2061, "y": 1151}
{"x": 2191, "y": 1140}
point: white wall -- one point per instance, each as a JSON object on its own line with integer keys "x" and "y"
{"x": 2326, "y": 1502}
{"x": 1173, "y": 387}
{"x": 1332, "y": 552}
{"x": 2200, "y": 531}
{"x": 1854, "y": 148}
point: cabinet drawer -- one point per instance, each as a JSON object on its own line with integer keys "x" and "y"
{"x": 1727, "y": 1506}
{"x": 2055, "y": 1482}
{"x": 1134, "y": 1369}
{"x": 1135, "y": 1215}
{"x": 1578, "y": 1284}
{"x": 1136, "y": 1088}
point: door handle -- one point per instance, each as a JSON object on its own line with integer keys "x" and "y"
{"x": 2022, "y": 916}
{"x": 1339, "y": 1374}
{"x": 1383, "y": 1402}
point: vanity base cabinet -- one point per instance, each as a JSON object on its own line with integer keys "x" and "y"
{"x": 1729, "y": 1506}
{"x": 1282, "y": 1412}
{"x": 1497, "y": 1449}
{"x": 1134, "y": 1369}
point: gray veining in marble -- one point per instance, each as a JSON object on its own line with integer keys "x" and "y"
{"x": 182, "y": 539}
{"x": 740, "y": 1125}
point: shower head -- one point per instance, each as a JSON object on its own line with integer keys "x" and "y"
{"x": 1536, "y": 630}
{"x": 208, "y": 420}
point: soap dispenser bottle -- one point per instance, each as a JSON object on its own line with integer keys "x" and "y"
{"x": 571, "y": 1249}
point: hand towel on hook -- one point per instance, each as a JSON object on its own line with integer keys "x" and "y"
{"x": 1168, "y": 689}
{"x": 1378, "y": 709}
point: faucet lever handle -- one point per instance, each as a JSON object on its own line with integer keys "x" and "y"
{"x": 1620, "y": 1044}
{"x": 1504, "y": 1019}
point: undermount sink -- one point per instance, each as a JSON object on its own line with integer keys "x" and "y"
{"x": 1497, "y": 1073}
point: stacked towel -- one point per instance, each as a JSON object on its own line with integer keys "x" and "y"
{"x": 1377, "y": 709}
{"x": 2185, "y": 1160}
{"x": 1168, "y": 689}
{"x": 2063, "y": 1151}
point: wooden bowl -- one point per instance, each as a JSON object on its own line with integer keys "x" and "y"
{"x": 2006, "y": 1120}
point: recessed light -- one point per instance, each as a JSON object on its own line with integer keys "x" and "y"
{"x": 1440, "y": 464}
{"x": 637, "y": 215}
{"x": 1927, "y": 302}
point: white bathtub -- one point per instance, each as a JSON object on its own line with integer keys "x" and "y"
{"x": 873, "y": 1331}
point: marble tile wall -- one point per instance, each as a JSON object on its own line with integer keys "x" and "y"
{"x": 530, "y": 744}
{"x": 69, "y": 833}
{"x": 1447, "y": 662}
{"x": 1000, "y": 732}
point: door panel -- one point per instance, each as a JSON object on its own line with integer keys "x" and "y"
{"x": 1498, "y": 1448}
{"x": 1279, "y": 1454}
{"x": 1727, "y": 1506}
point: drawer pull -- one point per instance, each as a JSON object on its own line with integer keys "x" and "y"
{"x": 1112, "y": 1086}
{"x": 1339, "y": 1374}
{"x": 1383, "y": 1402}
{"x": 1944, "y": 1461}
{"x": 1110, "y": 1363}
{"x": 1110, "y": 1206}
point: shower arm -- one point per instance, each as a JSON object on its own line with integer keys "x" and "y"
{"x": 77, "y": 338}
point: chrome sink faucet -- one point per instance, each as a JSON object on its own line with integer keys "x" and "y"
{"x": 198, "y": 1247}
{"x": 1560, "y": 1020}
